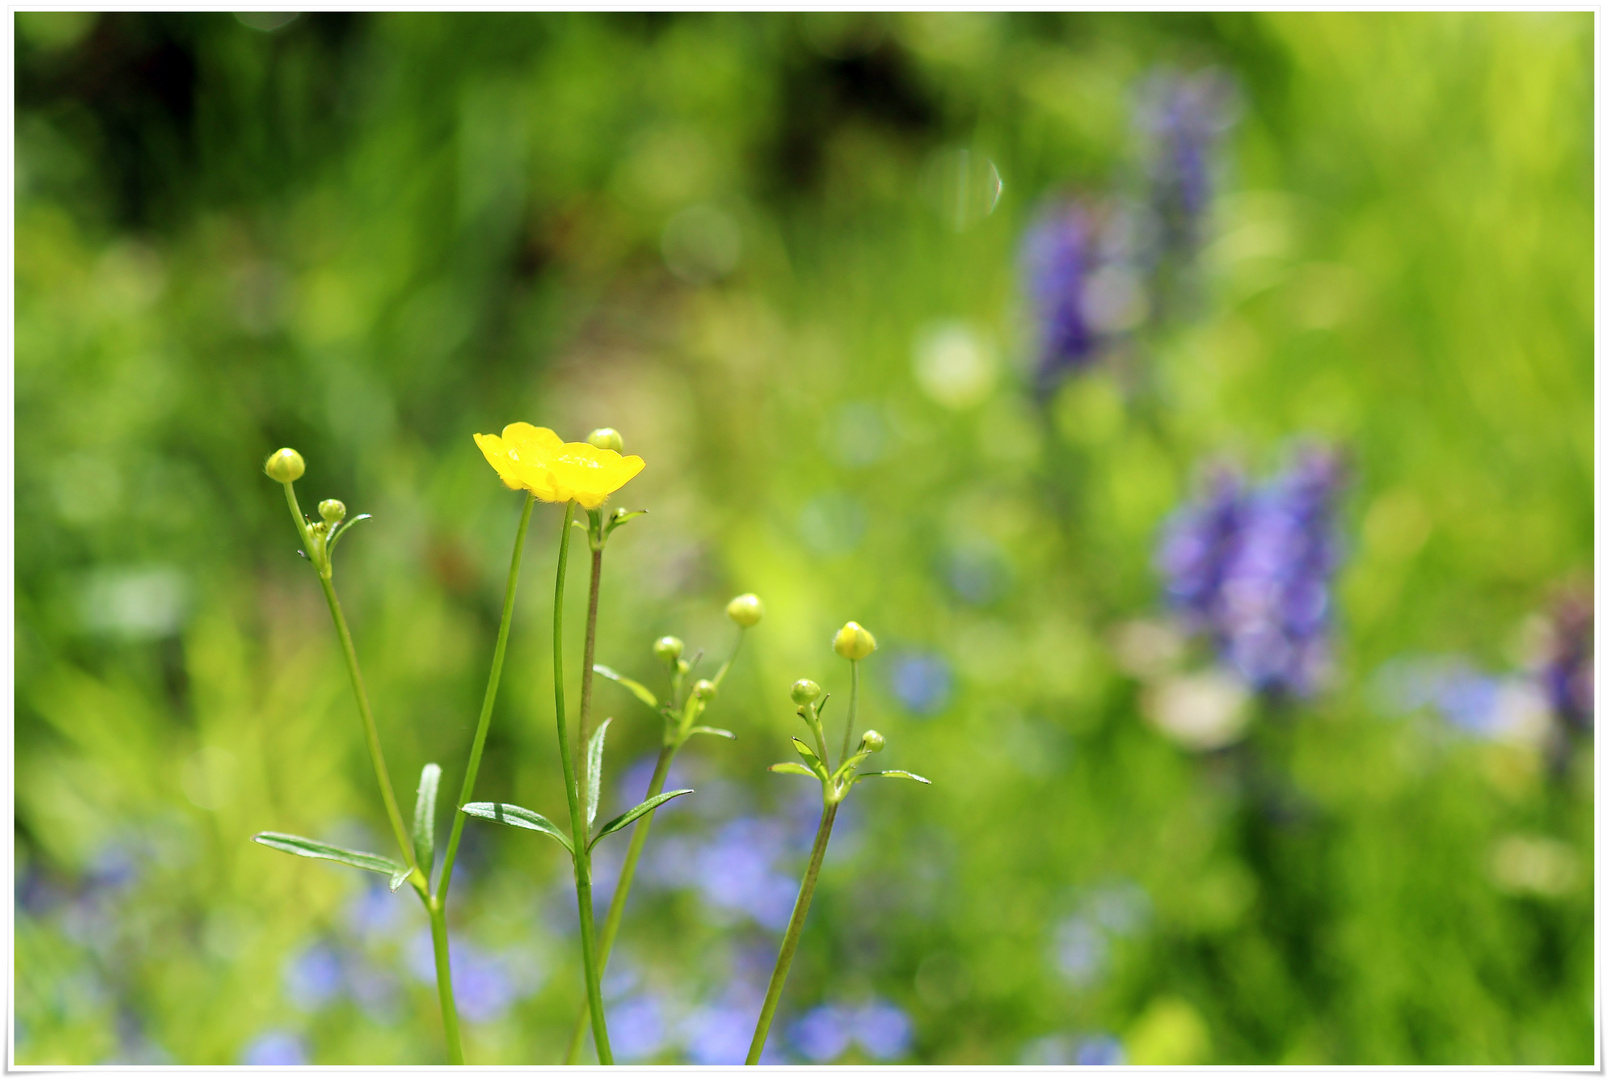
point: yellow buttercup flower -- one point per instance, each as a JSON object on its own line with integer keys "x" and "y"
{"x": 534, "y": 459}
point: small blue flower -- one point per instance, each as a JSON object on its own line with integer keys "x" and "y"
{"x": 719, "y": 1035}
{"x": 313, "y": 977}
{"x": 275, "y": 1048}
{"x": 637, "y": 1028}
{"x": 1081, "y": 951}
{"x": 921, "y": 682}
{"x": 883, "y": 1030}
{"x": 1100, "y": 1050}
{"x": 823, "y": 1033}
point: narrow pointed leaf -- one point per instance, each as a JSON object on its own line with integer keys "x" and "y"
{"x": 595, "y": 770}
{"x": 792, "y": 768}
{"x": 636, "y": 812}
{"x": 810, "y": 757}
{"x": 644, "y": 695}
{"x": 722, "y": 732}
{"x": 340, "y": 530}
{"x": 519, "y": 817}
{"x": 900, "y": 773}
{"x": 316, "y": 849}
{"x": 399, "y": 877}
{"x": 424, "y": 818}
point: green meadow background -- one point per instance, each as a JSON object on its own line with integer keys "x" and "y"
{"x": 732, "y": 237}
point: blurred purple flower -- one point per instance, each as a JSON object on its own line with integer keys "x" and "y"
{"x": 313, "y": 977}
{"x": 719, "y": 1034}
{"x": 1254, "y": 572}
{"x": 275, "y": 1048}
{"x": 823, "y": 1033}
{"x": 1566, "y": 672}
{"x": 637, "y": 1028}
{"x": 883, "y": 1030}
{"x": 1198, "y": 542}
{"x": 880, "y": 1028}
{"x": 1100, "y": 1050}
{"x": 376, "y": 912}
{"x": 485, "y": 984}
{"x": 1080, "y": 950}
{"x": 1182, "y": 118}
{"x": 921, "y": 681}
{"x": 1059, "y": 255}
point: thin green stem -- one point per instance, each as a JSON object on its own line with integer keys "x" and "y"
{"x": 854, "y": 704}
{"x": 578, "y": 830}
{"x": 479, "y": 745}
{"x": 617, "y": 904}
{"x": 444, "y": 980}
{"x": 369, "y": 730}
{"x": 790, "y": 941}
{"x": 588, "y": 654}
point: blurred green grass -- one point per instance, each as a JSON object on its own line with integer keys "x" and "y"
{"x": 370, "y": 236}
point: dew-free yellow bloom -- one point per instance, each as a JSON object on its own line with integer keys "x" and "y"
{"x": 534, "y": 459}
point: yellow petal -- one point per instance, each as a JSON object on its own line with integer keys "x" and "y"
{"x": 520, "y": 458}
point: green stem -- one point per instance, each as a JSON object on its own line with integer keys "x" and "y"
{"x": 854, "y": 703}
{"x": 419, "y": 878}
{"x": 588, "y": 654}
{"x": 444, "y": 980}
{"x": 479, "y": 745}
{"x": 369, "y": 730}
{"x": 617, "y": 904}
{"x": 578, "y": 830}
{"x": 790, "y": 941}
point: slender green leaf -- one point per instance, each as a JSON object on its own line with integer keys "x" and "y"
{"x": 340, "y": 530}
{"x": 722, "y": 732}
{"x": 424, "y": 818}
{"x": 315, "y": 849}
{"x": 644, "y": 695}
{"x": 636, "y": 812}
{"x": 595, "y": 770}
{"x": 399, "y": 877}
{"x": 792, "y": 768}
{"x": 900, "y": 773}
{"x": 810, "y": 757}
{"x": 519, "y": 817}
{"x": 848, "y": 767}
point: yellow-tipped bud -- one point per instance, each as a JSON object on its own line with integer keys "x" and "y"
{"x": 704, "y": 690}
{"x": 284, "y": 465}
{"x": 745, "y": 610}
{"x": 854, "y": 642}
{"x": 805, "y": 691}
{"x": 606, "y": 438}
{"x": 668, "y": 648}
{"x": 871, "y": 742}
{"x": 332, "y": 511}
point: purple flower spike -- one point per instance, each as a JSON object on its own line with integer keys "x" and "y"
{"x": 1253, "y": 571}
{"x": 1080, "y": 284}
{"x": 1183, "y": 117}
{"x": 1567, "y": 664}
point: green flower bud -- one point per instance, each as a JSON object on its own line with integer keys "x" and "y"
{"x": 668, "y": 648}
{"x": 606, "y": 438}
{"x": 332, "y": 511}
{"x": 704, "y": 690}
{"x": 805, "y": 691}
{"x": 854, "y": 642}
{"x": 284, "y": 465}
{"x": 745, "y": 610}
{"x": 871, "y": 742}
